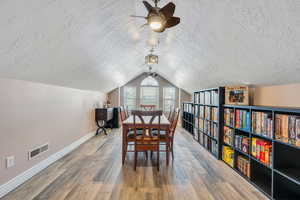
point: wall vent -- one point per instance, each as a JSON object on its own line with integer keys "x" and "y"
{"x": 37, "y": 151}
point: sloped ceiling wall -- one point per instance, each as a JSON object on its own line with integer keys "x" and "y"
{"x": 95, "y": 45}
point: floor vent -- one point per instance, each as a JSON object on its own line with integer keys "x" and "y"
{"x": 37, "y": 151}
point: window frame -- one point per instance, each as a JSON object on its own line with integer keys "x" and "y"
{"x": 172, "y": 99}
{"x": 133, "y": 98}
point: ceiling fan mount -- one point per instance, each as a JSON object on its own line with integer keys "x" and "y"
{"x": 160, "y": 18}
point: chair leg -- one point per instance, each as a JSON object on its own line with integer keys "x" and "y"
{"x": 146, "y": 153}
{"x": 158, "y": 160}
{"x": 167, "y": 152}
{"x": 135, "y": 159}
{"x": 124, "y": 153}
{"x": 172, "y": 149}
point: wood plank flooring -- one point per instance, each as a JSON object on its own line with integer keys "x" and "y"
{"x": 94, "y": 172}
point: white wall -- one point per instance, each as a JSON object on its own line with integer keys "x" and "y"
{"x": 32, "y": 114}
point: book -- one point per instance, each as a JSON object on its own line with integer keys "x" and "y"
{"x": 207, "y": 97}
{"x": 214, "y": 97}
{"x": 243, "y": 165}
{"x": 287, "y": 129}
{"x": 201, "y": 98}
{"x": 228, "y": 135}
{"x": 262, "y": 123}
{"x": 298, "y": 131}
{"x": 253, "y": 152}
{"x": 292, "y": 130}
{"x": 214, "y": 114}
{"x": 262, "y": 150}
{"x": 228, "y": 155}
{"x": 207, "y": 113}
{"x": 229, "y": 117}
{"x": 242, "y": 119}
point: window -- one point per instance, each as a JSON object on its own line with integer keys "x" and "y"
{"x": 149, "y": 81}
{"x": 150, "y": 91}
{"x": 169, "y": 98}
{"x": 149, "y": 96}
{"x": 130, "y": 97}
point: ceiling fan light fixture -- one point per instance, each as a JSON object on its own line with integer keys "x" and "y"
{"x": 156, "y": 22}
{"x": 155, "y": 25}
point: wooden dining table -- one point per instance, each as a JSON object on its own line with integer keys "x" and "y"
{"x": 129, "y": 124}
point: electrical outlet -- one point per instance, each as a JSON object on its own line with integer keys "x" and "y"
{"x": 10, "y": 161}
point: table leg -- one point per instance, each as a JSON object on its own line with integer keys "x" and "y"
{"x": 123, "y": 144}
{"x": 168, "y": 148}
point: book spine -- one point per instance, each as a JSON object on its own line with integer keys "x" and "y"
{"x": 253, "y": 147}
{"x": 297, "y": 131}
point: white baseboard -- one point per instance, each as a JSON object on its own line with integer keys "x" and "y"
{"x": 21, "y": 178}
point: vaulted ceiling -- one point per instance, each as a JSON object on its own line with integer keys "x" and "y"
{"x": 95, "y": 45}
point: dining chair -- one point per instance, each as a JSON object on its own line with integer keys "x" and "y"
{"x": 127, "y": 112}
{"x": 122, "y": 113}
{"x": 173, "y": 126}
{"x": 148, "y": 107}
{"x": 145, "y": 140}
{"x": 167, "y": 138}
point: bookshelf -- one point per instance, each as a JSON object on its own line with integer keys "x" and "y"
{"x": 188, "y": 116}
{"x": 262, "y": 144}
{"x": 208, "y": 119}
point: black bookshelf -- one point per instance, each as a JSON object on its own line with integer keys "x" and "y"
{"x": 279, "y": 179}
{"x": 188, "y": 116}
{"x": 206, "y": 124}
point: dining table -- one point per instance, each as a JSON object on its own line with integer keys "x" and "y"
{"x": 128, "y": 124}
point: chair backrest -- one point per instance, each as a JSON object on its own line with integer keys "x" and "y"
{"x": 171, "y": 114}
{"x": 122, "y": 113}
{"x": 146, "y": 126}
{"x": 148, "y": 107}
{"x": 174, "y": 121}
{"x": 127, "y": 112}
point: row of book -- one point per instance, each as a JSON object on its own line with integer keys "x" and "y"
{"x": 262, "y": 123}
{"x": 262, "y": 150}
{"x": 208, "y": 143}
{"x": 228, "y": 135}
{"x": 242, "y": 119}
{"x": 242, "y": 143}
{"x": 199, "y": 97}
{"x": 228, "y": 155}
{"x": 201, "y": 112}
{"x": 208, "y": 127}
{"x": 288, "y": 129}
{"x": 214, "y": 114}
{"x": 243, "y": 165}
{"x": 207, "y": 97}
{"x": 187, "y": 107}
{"x": 229, "y": 117}
{"x": 214, "y": 97}
{"x": 208, "y": 113}
{"x": 214, "y": 147}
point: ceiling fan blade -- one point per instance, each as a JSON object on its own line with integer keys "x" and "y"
{"x": 138, "y": 16}
{"x": 148, "y": 6}
{"x": 168, "y": 10}
{"x": 173, "y": 21}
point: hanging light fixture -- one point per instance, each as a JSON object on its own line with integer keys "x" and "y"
{"x": 151, "y": 59}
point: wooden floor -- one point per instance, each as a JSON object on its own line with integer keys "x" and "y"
{"x": 94, "y": 172}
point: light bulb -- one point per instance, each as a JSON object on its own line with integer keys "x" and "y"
{"x": 155, "y": 25}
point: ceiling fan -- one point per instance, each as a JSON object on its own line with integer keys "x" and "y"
{"x": 160, "y": 18}
{"x": 151, "y": 73}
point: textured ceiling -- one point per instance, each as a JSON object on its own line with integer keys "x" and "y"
{"x": 95, "y": 45}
